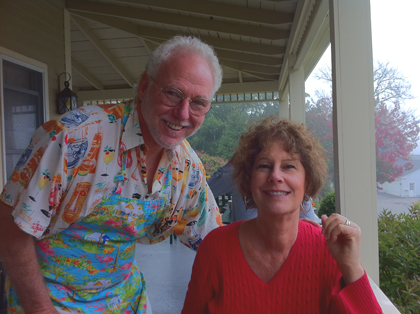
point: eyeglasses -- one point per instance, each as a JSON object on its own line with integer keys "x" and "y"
{"x": 199, "y": 106}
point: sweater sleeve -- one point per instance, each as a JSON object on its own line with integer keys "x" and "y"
{"x": 201, "y": 288}
{"x": 355, "y": 298}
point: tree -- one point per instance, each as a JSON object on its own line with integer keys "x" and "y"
{"x": 211, "y": 163}
{"x": 389, "y": 84}
{"x": 205, "y": 139}
{"x": 236, "y": 123}
{"x": 319, "y": 121}
{"x": 224, "y": 124}
{"x": 396, "y": 130}
{"x": 257, "y": 111}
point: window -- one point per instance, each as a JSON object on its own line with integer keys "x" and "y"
{"x": 23, "y": 108}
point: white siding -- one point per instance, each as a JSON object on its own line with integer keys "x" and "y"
{"x": 401, "y": 186}
{"x": 393, "y": 188}
{"x": 33, "y": 32}
{"x": 413, "y": 177}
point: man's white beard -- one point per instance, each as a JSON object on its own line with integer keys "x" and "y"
{"x": 153, "y": 129}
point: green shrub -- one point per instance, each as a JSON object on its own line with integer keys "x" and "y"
{"x": 327, "y": 205}
{"x": 211, "y": 163}
{"x": 327, "y": 188}
{"x": 399, "y": 258}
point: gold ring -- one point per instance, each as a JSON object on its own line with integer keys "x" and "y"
{"x": 347, "y": 223}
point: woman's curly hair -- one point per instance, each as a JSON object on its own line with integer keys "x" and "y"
{"x": 297, "y": 140}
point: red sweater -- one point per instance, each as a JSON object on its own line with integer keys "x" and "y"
{"x": 309, "y": 281}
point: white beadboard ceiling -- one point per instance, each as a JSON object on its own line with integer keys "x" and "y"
{"x": 257, "y": 41}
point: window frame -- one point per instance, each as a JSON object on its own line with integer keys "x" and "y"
{"x": 31, "y": 65}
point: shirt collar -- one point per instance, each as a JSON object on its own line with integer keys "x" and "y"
{"x": 132, "y": 135}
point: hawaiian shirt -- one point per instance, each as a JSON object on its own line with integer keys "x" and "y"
{"x": 70, "y": 166}
{"x": 81, "y": 189}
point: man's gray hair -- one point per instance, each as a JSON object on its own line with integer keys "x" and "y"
{"x": 177, "y": 43}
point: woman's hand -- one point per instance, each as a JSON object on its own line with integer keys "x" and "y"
{"x": 343, "y": 240}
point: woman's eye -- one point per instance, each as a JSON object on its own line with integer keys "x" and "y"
{"x": 264, "y": 166}
{"x": 290, "y": 167}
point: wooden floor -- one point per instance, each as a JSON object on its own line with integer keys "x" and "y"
{"x": 167, "y": 269}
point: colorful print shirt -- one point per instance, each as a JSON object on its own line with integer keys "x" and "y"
{"x": 70, "y": 165}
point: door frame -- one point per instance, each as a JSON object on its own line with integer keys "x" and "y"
{"x": 409, "y": 189}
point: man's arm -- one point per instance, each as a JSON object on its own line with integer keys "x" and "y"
{"x": 17, "y": 252}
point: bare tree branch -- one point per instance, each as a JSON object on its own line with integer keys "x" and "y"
{"x": 390, "y": 85}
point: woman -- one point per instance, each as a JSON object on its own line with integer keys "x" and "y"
{"x": 275, "y": 263}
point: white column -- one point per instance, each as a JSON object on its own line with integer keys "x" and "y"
{"x": 354, "y": 128}
{"x": 284, "y": 107}
{"x": 297, "y": 95}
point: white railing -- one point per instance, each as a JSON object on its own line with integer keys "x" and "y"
{"x": 387, "y": 306}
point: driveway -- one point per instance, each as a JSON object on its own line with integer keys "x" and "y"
{"x": 395, "y": 204}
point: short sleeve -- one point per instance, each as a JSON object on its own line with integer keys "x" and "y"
{"x": 34, "y": 189}
{"x": 201, "y": 214}
{"x": 309, "y": 212}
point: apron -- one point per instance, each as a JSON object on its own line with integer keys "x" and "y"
{"x": 90, "y": 266}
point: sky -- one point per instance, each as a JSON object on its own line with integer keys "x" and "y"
{"x": 395, "y": 39}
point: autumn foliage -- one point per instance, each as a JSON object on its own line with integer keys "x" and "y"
{"x": 396, "y": 130}
{"x": 211, "y": 163}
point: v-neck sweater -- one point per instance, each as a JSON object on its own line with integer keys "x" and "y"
{"x": 309, "y": 281}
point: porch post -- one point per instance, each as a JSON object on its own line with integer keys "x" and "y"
{"x": 297, "y": 95}
{"x": 67, "y": 46}
{"x": 354, "y": 127}
{"x": 284, "y": 107}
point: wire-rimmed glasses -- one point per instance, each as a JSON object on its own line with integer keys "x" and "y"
{"x": 199, "y": 106}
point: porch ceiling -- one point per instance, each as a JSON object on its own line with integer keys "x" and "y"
{"x": 256, "y": 41}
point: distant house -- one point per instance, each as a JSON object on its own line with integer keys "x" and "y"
{"x": 408, "y": 184}
{"x": 98, "y": 285}
{"x": 98, "y": 237}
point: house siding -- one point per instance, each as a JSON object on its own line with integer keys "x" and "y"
{"x": 392, "y": 188}
{"x": 34, "y": 30}
{"x": 401, "y": 186}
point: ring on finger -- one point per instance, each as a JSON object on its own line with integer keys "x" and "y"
{"x": 347, "y": 223}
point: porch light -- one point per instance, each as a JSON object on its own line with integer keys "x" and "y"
{"x": 66, "y": 99}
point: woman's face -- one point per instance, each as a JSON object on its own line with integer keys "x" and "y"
{"x": 277, "y": 181}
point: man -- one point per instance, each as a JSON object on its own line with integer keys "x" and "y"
{"x": 220, "y": 183}
{"x": 103, "y": 177}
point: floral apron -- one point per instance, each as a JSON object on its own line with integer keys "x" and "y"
{"x": 90, "y": 266}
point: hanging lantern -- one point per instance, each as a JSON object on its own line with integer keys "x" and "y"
{"x": 66, "y": 99}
